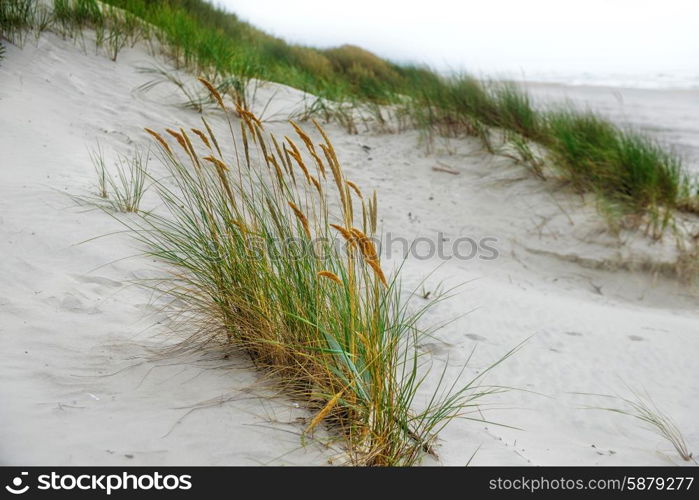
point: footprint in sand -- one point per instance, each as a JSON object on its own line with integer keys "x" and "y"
{"x": 436, "y": 348}
{"x": 477, "y": 338}
{"x": 71, "y": 303}
{"x": 97, "y": 280}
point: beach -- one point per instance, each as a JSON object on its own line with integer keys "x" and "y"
{"x": 85, "y": 376}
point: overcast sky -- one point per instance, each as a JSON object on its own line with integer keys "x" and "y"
{"x": 496, "y": 36}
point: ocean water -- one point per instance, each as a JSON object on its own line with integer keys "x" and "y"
{"x": 675, "y": 79}
{"x": 665, "y": 108}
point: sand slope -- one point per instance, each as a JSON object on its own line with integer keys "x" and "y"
{"x": 81, "y": 378}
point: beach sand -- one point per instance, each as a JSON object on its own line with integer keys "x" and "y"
{"x": 83, "y": 376}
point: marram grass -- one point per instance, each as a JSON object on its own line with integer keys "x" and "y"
{"x": 121, "y": 188}
{"x": 324, "y": 319}
{"x": 624, "y": 168}
{"x": 641, "y": 407}
{"x": 629, "y": 172}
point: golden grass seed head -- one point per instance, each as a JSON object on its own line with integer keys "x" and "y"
{"x": 213, "y": 91}
{"x": 202, "y": 136}
{"x": 365, "y": 244}
{"x": 217, "y": 163}
{"x": 355, "y": 188}
{"x": 377, "y": 271}
{"x": 324, "y": 411}
{"x": 317, "y": 185}
{"x": 330, "y": 275}
{"x": 160, "y": 140}
{"x": 347, "y": 235}
{"x": 301, "y": 217}
{"x": 179, "y": 138}
{"x": 211, "y": 135}
{"x": 190, "y": 147}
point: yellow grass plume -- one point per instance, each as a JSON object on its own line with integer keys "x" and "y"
{"x": 301, "y": 217}
{"x": 349, "y": 238}
{"x": 160, "y": 140}
{"x": 211, "y": 135}
{"x": 212, "y": 90}
{"x": 330, "y": 275}
{"x": 324, "y": 412}
{"x": 355, "y": 188}
{"x": 376, "y": 267}
{"x": 179, "y": 138}
{"x": 202, "y": 136}
{"x": 365, "y": 244}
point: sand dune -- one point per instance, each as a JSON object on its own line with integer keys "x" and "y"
{"x": 82, "y": 376}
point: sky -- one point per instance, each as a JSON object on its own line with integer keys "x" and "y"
{"x": 496, "y": 37}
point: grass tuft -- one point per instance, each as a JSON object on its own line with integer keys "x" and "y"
{"x": 124, "y": 189}
{"x": 256, "y": 268}
{"x": 16, "y": 19}
{"x": 642, "y": 407}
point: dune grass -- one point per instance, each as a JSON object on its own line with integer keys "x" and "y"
{"x": 642, "y": 407}
{"x": 128, "y": 186}
{"x": 192, "y": 96}
{"x": 100, "y": 166}
{"x": 251, "y": 237}
{"x": 628, "y": 170}
{"x": 622, "y": 166}
{"x": 16, "y": 19}
{"x": 114, "y": 28}
{"x": 250, "y": 230}
{"x": 123, "y": 188}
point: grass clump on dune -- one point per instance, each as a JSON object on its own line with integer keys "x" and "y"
{"x": 624, "y": 166}
{"x": 114, "y": 28}
{"x": 123, "y": 190}
{"x": 253, "y": 237}
{"x": 17, "y": 18}
{"x": 250, "y": 228}
{"x": 641, "y": 407}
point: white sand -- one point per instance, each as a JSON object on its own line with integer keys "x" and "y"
{"x": 80, "y": 379}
